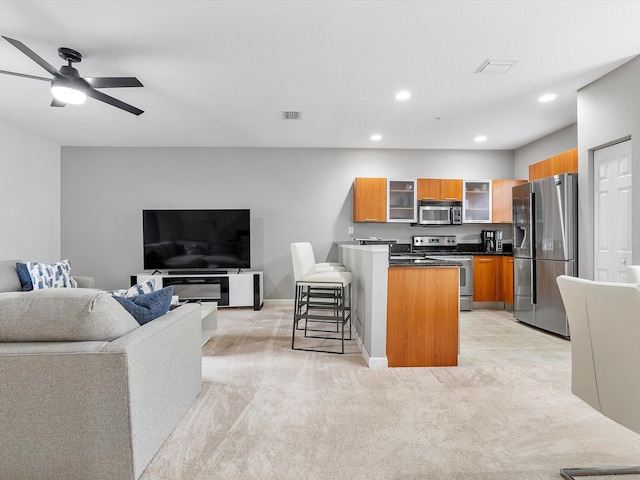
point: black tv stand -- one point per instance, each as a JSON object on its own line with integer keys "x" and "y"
{"x": 197, "y": 272}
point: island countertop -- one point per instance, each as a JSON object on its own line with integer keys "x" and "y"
{"x": 422, "y": 262}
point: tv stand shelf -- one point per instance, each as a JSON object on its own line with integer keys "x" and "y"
{"x": 229, "y": 288}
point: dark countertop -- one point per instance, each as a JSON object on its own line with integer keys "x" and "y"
{"x": 422, "y": 262}
{"x": 460, "y": 249}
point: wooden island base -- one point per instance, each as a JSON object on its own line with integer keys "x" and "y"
{"x": 422, "y": 316}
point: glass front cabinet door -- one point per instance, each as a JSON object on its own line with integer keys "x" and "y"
{"x": 401, "y": 201}
{"x": 476, "y": 203}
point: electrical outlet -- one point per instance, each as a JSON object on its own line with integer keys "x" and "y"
{"x": 350, "y": 230}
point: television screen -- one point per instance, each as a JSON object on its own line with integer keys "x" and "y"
{"x": 195, "y": 239}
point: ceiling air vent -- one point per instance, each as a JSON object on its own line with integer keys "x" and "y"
{"x": 290, "y": 115}
{"x": 496, "y": 66}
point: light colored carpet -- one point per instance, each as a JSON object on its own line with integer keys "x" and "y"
{"x": 267, "y": 412}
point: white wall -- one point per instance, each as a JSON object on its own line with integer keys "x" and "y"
{"x": 293, "y": 194}
{"x": 543, "y": 148}
{"x": 607, "y": 112}
{"x": 29, "y": 197}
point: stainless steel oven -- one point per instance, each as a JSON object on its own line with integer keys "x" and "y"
{"x": 444, "y": 247}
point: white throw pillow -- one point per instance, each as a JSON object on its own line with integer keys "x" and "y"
{"x": 138, "y": 289}
{"x": 57, "y": 275}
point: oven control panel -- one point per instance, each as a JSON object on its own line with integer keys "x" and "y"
{"x": 434, "y": 241}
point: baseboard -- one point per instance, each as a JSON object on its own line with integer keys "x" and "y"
{"x": 372, "y": 362}
{"x": 279, "y": 301}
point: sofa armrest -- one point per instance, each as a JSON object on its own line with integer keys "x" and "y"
{"x": 85, "y": 282}
{"x": 98, "y": 412}
{"x": 164, "y": 359}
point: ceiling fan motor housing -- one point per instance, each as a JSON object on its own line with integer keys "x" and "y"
{"x": 70, "y": 55}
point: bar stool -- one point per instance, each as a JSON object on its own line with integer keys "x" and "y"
{"x": 322, "y": 306}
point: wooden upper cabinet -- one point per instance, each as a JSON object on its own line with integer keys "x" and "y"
{"x": 428, "y": 189}
{"x": 451, "y": 189}
{"x": 439, "y": 189}
{"x": 561, "y": 163}
{"x": 566, "y": 162}
{"x": 502, "y": 200}
{"x": 370, "y": 200}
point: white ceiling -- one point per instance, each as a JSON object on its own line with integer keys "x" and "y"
{"x": 219, "y": 73}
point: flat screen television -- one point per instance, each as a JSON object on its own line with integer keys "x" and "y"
{"x": 196, "y": 239}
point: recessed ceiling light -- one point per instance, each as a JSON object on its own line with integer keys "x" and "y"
{"x": 547, "y": 97}
{"x": 403, "y": 95}
{"x": 480, "y": 138}
{"x": 376, "y": 137}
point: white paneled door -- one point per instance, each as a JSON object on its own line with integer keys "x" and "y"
{"x": 612, "y": 212}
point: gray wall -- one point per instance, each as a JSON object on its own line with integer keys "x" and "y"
{"x": 543, "y": 148}
{"x": 607, "y": 112}
{"x": 29, "y": 197}
{"x": 293, "y": 194}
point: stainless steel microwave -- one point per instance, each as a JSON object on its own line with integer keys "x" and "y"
{"x": 436, "y": 212}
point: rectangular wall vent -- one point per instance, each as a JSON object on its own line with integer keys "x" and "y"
{"x": 290, "y": 115}
{"x": 496, "y": 66}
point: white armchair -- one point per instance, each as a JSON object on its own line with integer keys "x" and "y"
{"x": 604, "y": 321}
{"x": 634, "y": 273}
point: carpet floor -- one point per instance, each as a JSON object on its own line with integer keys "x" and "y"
{"x": 267, "y": 412}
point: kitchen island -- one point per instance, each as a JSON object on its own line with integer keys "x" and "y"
{"x": 404, "y": 314}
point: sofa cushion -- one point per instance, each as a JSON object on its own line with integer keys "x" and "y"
{"x": 9, "y": 281}
{"x": 57, "y": 275}
{"x": 62, "y": 315}
{"x": 147, "y": 306}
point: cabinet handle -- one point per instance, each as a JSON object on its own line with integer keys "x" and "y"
{"x": 452, "y": 198}
{"x": 428, "y": 198}
{"x": 485, "y": 260}
{"x": 371, "y": 220}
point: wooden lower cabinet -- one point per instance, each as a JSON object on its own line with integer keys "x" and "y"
{"x": 485, "y": 278}
{"x": 493, "y": 278}
{"x": 422, "y": 316}
{"x": 507, "y": 280}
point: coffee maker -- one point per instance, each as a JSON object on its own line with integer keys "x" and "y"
{"x": 492, "y": 240}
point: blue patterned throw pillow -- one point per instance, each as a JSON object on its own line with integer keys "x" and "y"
{"x": 147, "y": 306}
{"x": 57, "y": 275}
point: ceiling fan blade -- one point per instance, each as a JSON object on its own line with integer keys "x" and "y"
{"x": 25, "y": 75}
{"x": 33, "y": 56}
{"x": 113, "y": 101}
{"x": 57, "y": 103}
{"x": 113, "y": 82}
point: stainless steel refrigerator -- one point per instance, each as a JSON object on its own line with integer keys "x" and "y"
{"x": 545, "y": 245}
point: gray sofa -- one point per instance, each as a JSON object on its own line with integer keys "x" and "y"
{"x": 86, "y": 392}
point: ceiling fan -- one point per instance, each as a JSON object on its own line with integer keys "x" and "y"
{"x": 67, "y": 86}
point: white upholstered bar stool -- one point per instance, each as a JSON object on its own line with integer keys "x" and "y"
{"x": 322, "y": 304}
{"x": 304, "y": 251}
{"x": 604, "y": 322}
{"x": 306, "y": 265}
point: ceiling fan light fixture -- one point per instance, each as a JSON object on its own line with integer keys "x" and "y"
{"x": 67, "y": 94}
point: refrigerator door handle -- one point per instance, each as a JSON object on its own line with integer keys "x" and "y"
{"x": 532, "y": 223}
{"x": 534, "y": 283}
